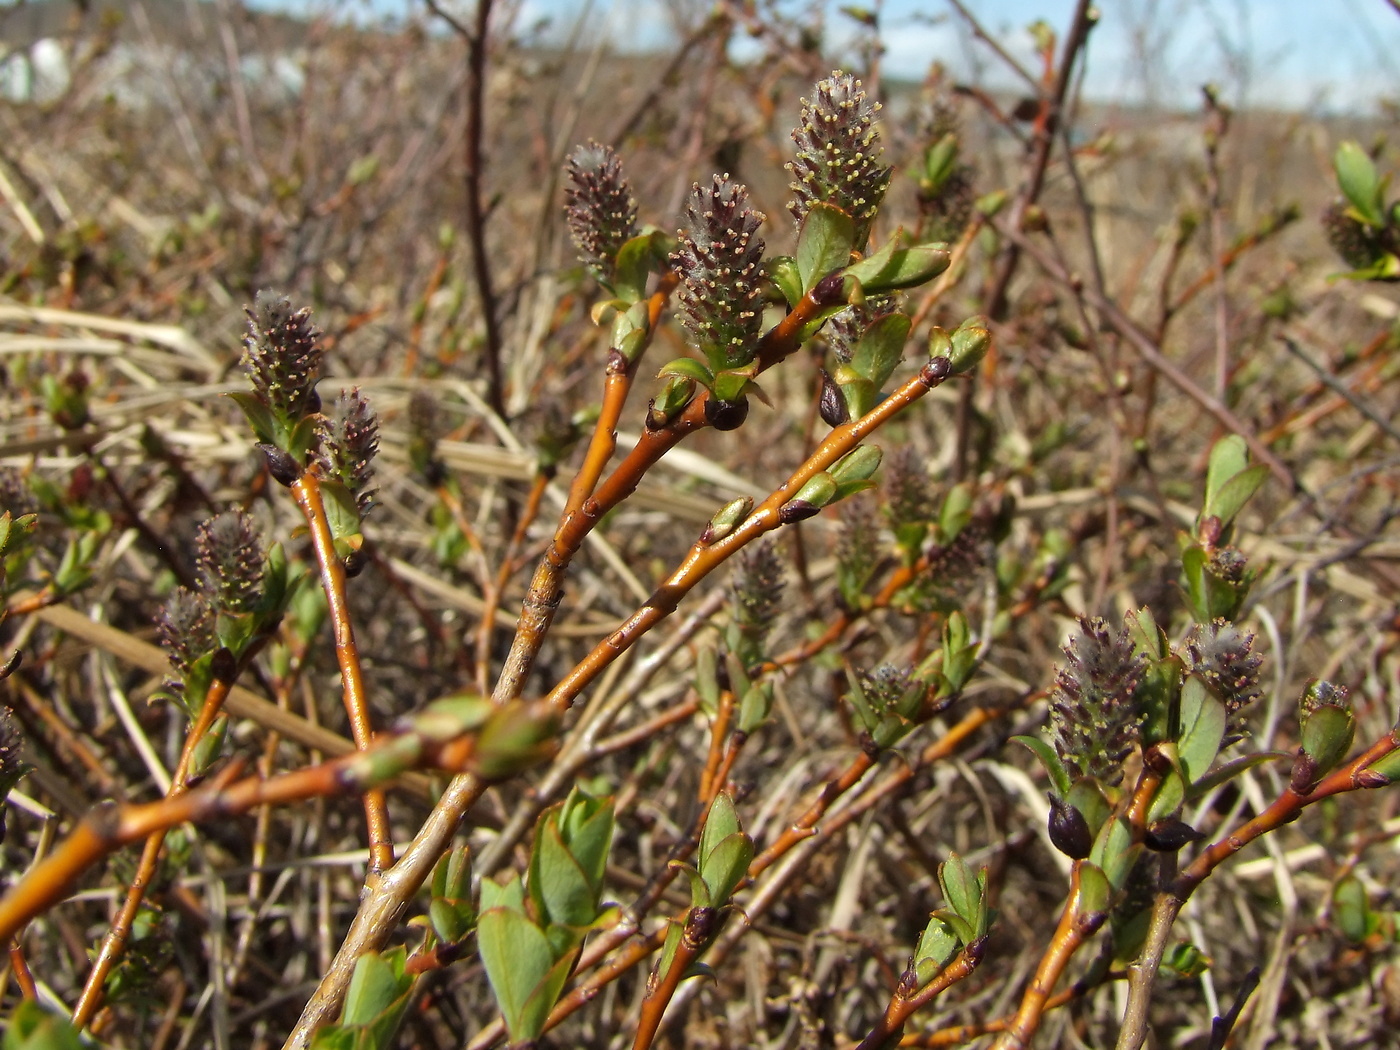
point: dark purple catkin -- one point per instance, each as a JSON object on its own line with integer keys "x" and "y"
{"x": 598, "y": 205}
{"x": 719, "y": 258}
{"x": 838, "y": 154}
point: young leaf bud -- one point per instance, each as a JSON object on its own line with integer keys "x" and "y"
{"x": 727, "y": 520}
{"x": 970, "y": 343}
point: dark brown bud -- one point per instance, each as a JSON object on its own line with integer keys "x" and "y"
{"x": 726, "y": 415}
{"x": 795, "y": 510}
{"x": 935, "y": 370}
{"x": 1210, "y": 531}
{"x": 12, "y": 664}
{"x": 1372, "y": 778}
{"x": 617, "y": 362}
{"x": 831, "y": 404}
{"x": 830, "y": 290}
{"x": 285, "y": 470}
{"x": 698, "y": 927}
{"x": 1304, "y": 775}
{"x": 1069, "y": 831}
{"x": 1170, "y": 835}
{"x": 355, "y": 563}
{"x": 223, "y": 665}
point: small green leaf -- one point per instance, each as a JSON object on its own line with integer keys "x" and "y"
{"x": 687, "y": 368}
{"x": 699, "y": 892}
{"x": 1202, "y": 728}
{"x": 378, "y": 980}
{"x": 509, "y": 894}
{"x": 1327, "y": 735}
{"x": 1114, "y": 852}
{"x": 1228, "y": 457}
{"x": 960, "y": 888}
{"x": 1059, "y": 778}
{"x": 721, "y": 822}
{"x": 31, "y": 1027}
{"x": 1236, "y": 492}
{"x": 557, "y": 885}
{"x": 937, "y": 945}
{"x": 633, "y": 267}
{"x": 823, "y": 244}
{"x": 892, "y": 268}
{"x": 782, "y": 271}
{"x": 1362, "y": 187}
{"x": 1186, "y": 960}
{"x": 1232, "y": 769}
{"x": 1095, "y": 894}
{"x": 1170, "y": 794}
{"x": 259, "y": 416}
{"x": 879, "y": 350}
{"x": 518, "y": 958}
{"x": 1352, "y": 909}
{"x": 725, "y": 865}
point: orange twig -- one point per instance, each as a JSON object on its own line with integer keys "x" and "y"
{"x": 307, "y": 490}
{"x": 114, "y": 943}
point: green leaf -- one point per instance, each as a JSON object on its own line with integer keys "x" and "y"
{"x": 823, "y": 244}
{"x": 937, "y": 945}
{"x": 721, "y": 822}
{"x": 699, "y": 892}
{"x": 1228, "y": 457}
{"x": 1202, "y": 728}
{"x": 1186, "y": 960}
{"x": 892, "y": 268}
{"x": 1327, "y": 735}
{"x": 1352, "y": 910}
{"x": 960, "y": 888}
{"x": 879, "y": 350}
{"x": 633, "y": 267}
{"x": 939, "y": 162}
{"x": 1059, "y": 778}
{"x": 509, "y": 894}
{"x": 535, "y": 1011}
{"x": 558, "y": 886}
{"x": 725, "y": 866}
{"x": 1234, "y": 768}
{"x": 518, "y": 959}
{"x": 687, "y": 368}
{"x": 1236, "y": 492}
{"x": 1095, "y": 894}
{"x": 1114, "y": 852}
{"x": 259, "y": 416}
{"x": 31, "y": 1027}
{"x": 782, "y": 271}
{"x": 378, "y": 980}
{"x": 1170, "y": 794}
{"x": 342, "y": 512}
{"x": 1362, "y": 187}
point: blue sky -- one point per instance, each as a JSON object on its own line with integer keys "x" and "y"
{"x": 1317, "y": 55}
